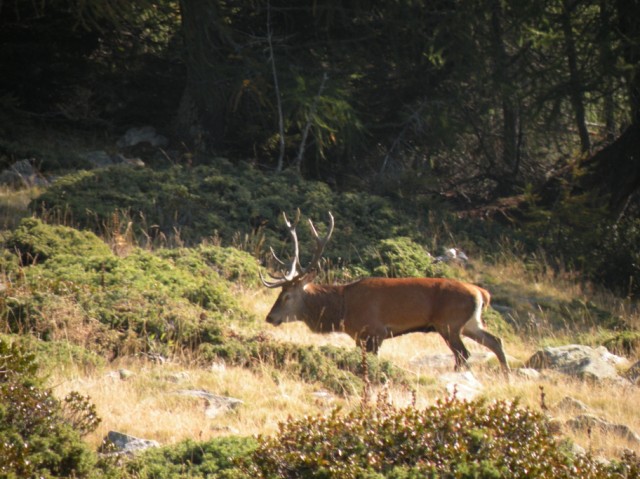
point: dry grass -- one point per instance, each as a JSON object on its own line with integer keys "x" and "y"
{"x": 147, "y": 403}
{"x": 14, "y": 205}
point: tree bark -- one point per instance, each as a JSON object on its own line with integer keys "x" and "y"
{"x": 614, "y": 171}
{"x": 575, "y": 83}
{"x": 510, "y": 117}
{"x": 204, "y": 107}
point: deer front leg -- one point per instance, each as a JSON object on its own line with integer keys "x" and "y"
{"x": 460, "y": 352}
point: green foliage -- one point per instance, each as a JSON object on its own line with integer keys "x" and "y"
{"x": 452, "y": 438}
{"x": 402, "y": 257}
{"x": 215, "y": 458}
{"x": 37, "y": 434}
{"x": 337, "y": 369}
{"x": 625, "y": 343}
{"x": 579, "y": 234}
{"x": 37, "y": 242}
{"x": 230, "y": 263}
{"x": 141, "y": 301}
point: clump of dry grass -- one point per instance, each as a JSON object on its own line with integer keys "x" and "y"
{"x": 14, "y": 205}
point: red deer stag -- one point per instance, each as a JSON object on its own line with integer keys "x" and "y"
{"x": 371, "y": 310}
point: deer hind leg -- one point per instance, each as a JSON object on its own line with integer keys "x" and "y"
{"x": 488, "y": 340}
{"x": 460, "y": 352}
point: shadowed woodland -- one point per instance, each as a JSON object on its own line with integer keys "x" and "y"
{"x": 129, "y": 270}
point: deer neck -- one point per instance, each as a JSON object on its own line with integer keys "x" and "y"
{"x": 323, "y": 308}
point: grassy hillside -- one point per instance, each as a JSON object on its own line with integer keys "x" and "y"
{"x": 130, "y": 285}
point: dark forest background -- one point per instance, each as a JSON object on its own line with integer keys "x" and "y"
{"x": 527, "y": 114}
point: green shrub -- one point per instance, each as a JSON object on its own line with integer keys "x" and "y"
{"x": 402, "y": 257}
{"x": 452, "y": 439}
{"x": 35, "y": 241}
{"x": 230, "y": 202}
{"x": 143, "y": 301}
{"x": 38, "y": 435}
{"x": 625, "y": 343}
{"x": 338, "y": 369}
{"x": 216, "y": 458}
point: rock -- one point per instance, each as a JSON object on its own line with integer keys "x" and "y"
{"x": 178, "y": 377}
{"x": 218, "y": 367}
{"x": 125, "y": 374}
{"x": 119, "y": 443}
{"x": 452, "y": 255}
{"x": 528, "y": 373}
{"x": 446, "y": 360}
{"x": 98, "y": 158}
{"x": 585, "y": 422}
{"x": 323, "y": 395}
{"x": 568, "y": 403}
{"x": 463, "y": 384}
{"x": 144, "y": 134}
{"x": 21, "y": 174}
{"x": 580, "y": 361}
{"x": 214, "y": 405}
{"x": 102, "y": 159}
{"x": 633, "y": 373}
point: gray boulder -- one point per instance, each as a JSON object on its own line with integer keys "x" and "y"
{"x": 585, "y": 422}
{"x": 580, "y": 361}
{"x": 633, "y": 373}
{"x": 143, "y": 134}
{"x": 119, "y": 443}
{"x": 464, "y": 385}
{"x": 22, "y": 173}
{"x": 214, "y": 405}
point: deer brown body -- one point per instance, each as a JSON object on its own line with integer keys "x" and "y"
{"x": 374, "y": 309}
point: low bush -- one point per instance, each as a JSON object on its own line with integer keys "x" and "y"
{"x": 625, "y": 343}
{"x": 338, "y": 369}
{"x": 451, "y": 439}
{"x": 216, "y": 458}
{"x": 140, "y": 302}
{"x": 402, "y": 257}
{"x": 236, "y": 203}
{"x": 39, "y": 435}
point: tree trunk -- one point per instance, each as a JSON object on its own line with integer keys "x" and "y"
{"x": 614, "y": 171}
{"x": 607, "y": 64}
{"x": 203, "y": 110}
{"x": 629, "y": 27}
{"x": 575, "y": 83}
{"x": 510, "y": 153}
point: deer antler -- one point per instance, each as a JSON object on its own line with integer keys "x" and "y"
{"x": 292, "y": 274}
{"x": 320, "y": 244}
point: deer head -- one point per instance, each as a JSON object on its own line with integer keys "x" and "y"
{"x": 293, "y": 277}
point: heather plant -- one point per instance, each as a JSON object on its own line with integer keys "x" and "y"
{"x": 39, "y": 435}
{"x": 452, "y": 439}
{"x": 216, "y": 458}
